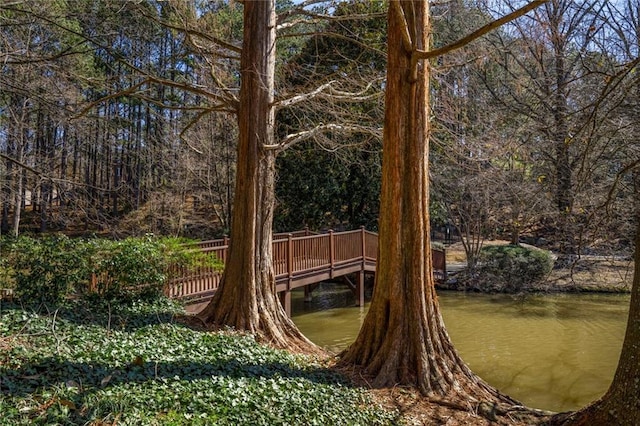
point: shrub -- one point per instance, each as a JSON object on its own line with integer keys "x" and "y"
{"x": 46, "y": 270}
{"x": 512, "y": 268}
{"x": 129, "y": 268}
{"x": 139, "y": 267}
{"x": 437, "y": 245}
{"x": 7, "y": 278}
{"x": 49, "y": 269}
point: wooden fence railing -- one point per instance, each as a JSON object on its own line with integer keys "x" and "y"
{"x": 299, "y": 258}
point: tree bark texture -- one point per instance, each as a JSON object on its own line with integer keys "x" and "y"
{"x": 246, "y": 298}
{"x": 403, "y": 339}
{"x": 621, "y": 404}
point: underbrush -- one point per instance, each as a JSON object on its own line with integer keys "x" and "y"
{"x": 133, "y": 364}
{"x": 506, "y": 269}
{"x": 53, "y": 268}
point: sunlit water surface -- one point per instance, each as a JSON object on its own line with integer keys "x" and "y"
{"x": 554, "y": 352}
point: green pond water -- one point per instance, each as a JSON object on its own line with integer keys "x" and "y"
{"x": 553, "y": 352}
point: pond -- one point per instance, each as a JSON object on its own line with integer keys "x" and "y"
{"x": 553, "y": 352}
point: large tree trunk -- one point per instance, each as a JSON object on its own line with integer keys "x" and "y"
{"x": 403, "y": 339}
{"x": 246, "y": 298}
{"x": 621, "y": 404}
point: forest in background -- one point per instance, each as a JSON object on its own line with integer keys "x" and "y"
{"x": 115, "y": 119}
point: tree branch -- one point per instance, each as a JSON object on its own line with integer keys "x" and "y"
{"x": 294, "y": 138}
{"x": 46, "y": 177}
{"x": 193, "y": 32}
{"x": 406, "y": 37}
{"x": 329, "y": 92}
{"x": 300, "y": 10}
{"x": 318, "y": 18}
{"x": 337, "y": 36}
{"x": 303, "y": 97}
{"x": 149, "y": 77}
{"x": 420, "y": 54}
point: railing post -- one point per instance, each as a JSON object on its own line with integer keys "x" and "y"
{"x": 360, "y": 275}
{"x": 444, "y": 264}
{"x": 289, "y": 259}
{"x": 331, "y": 251}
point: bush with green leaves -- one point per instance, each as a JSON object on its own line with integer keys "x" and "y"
{"x": 6, "y": 272}
{"x": 52, "y": 268}
{"x": 139, "y": 267}
{"x": 46, "y": 270}
{"x": 131, "y": 267}
{"x": 512, "y": 268}
{"x": 437, "y": 245}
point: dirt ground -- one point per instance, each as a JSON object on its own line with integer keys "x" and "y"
{"x": 415, "y": 409}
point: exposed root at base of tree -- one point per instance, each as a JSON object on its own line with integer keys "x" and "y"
{"x": 604, "y": 411}
{"x": 414, "y": 408}
{"x": 297, "y": 346}
{"x": 568, "y": 417}
{"x": 194, "y": 322}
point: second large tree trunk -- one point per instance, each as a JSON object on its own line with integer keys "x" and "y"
{"x": 403, "y": 339}
{"x": 621, "y": 404}
{"x": 246, "y": 299}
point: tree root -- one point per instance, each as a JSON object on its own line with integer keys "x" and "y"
{"x": 490, "y": 410}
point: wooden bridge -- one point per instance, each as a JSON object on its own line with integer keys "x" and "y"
{"x": 300, "y": 259}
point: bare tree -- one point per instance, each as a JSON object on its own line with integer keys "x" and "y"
{"x": 551, "y": 74}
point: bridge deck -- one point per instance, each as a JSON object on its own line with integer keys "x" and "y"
{"x": 299, "y": 259}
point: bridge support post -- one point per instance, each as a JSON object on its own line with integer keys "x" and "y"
{"x": 360, "y": 288}
{"x": 285, "y": 299}
{"x": 308, "y": 297}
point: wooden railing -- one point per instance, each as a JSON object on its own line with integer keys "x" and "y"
{"x": 299, "y": 259}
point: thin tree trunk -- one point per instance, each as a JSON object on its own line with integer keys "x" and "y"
{"x": 560, "y": 132}
{"x": 6, "y": 189}
{"x": 17, "y": 196}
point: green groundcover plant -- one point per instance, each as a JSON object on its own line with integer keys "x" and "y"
{"x": 133, "y": 364}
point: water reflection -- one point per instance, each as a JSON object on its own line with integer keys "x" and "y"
{"x": 556, "y": 352}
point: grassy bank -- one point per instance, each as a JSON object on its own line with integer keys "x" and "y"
{"x": 97, "y": 363}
